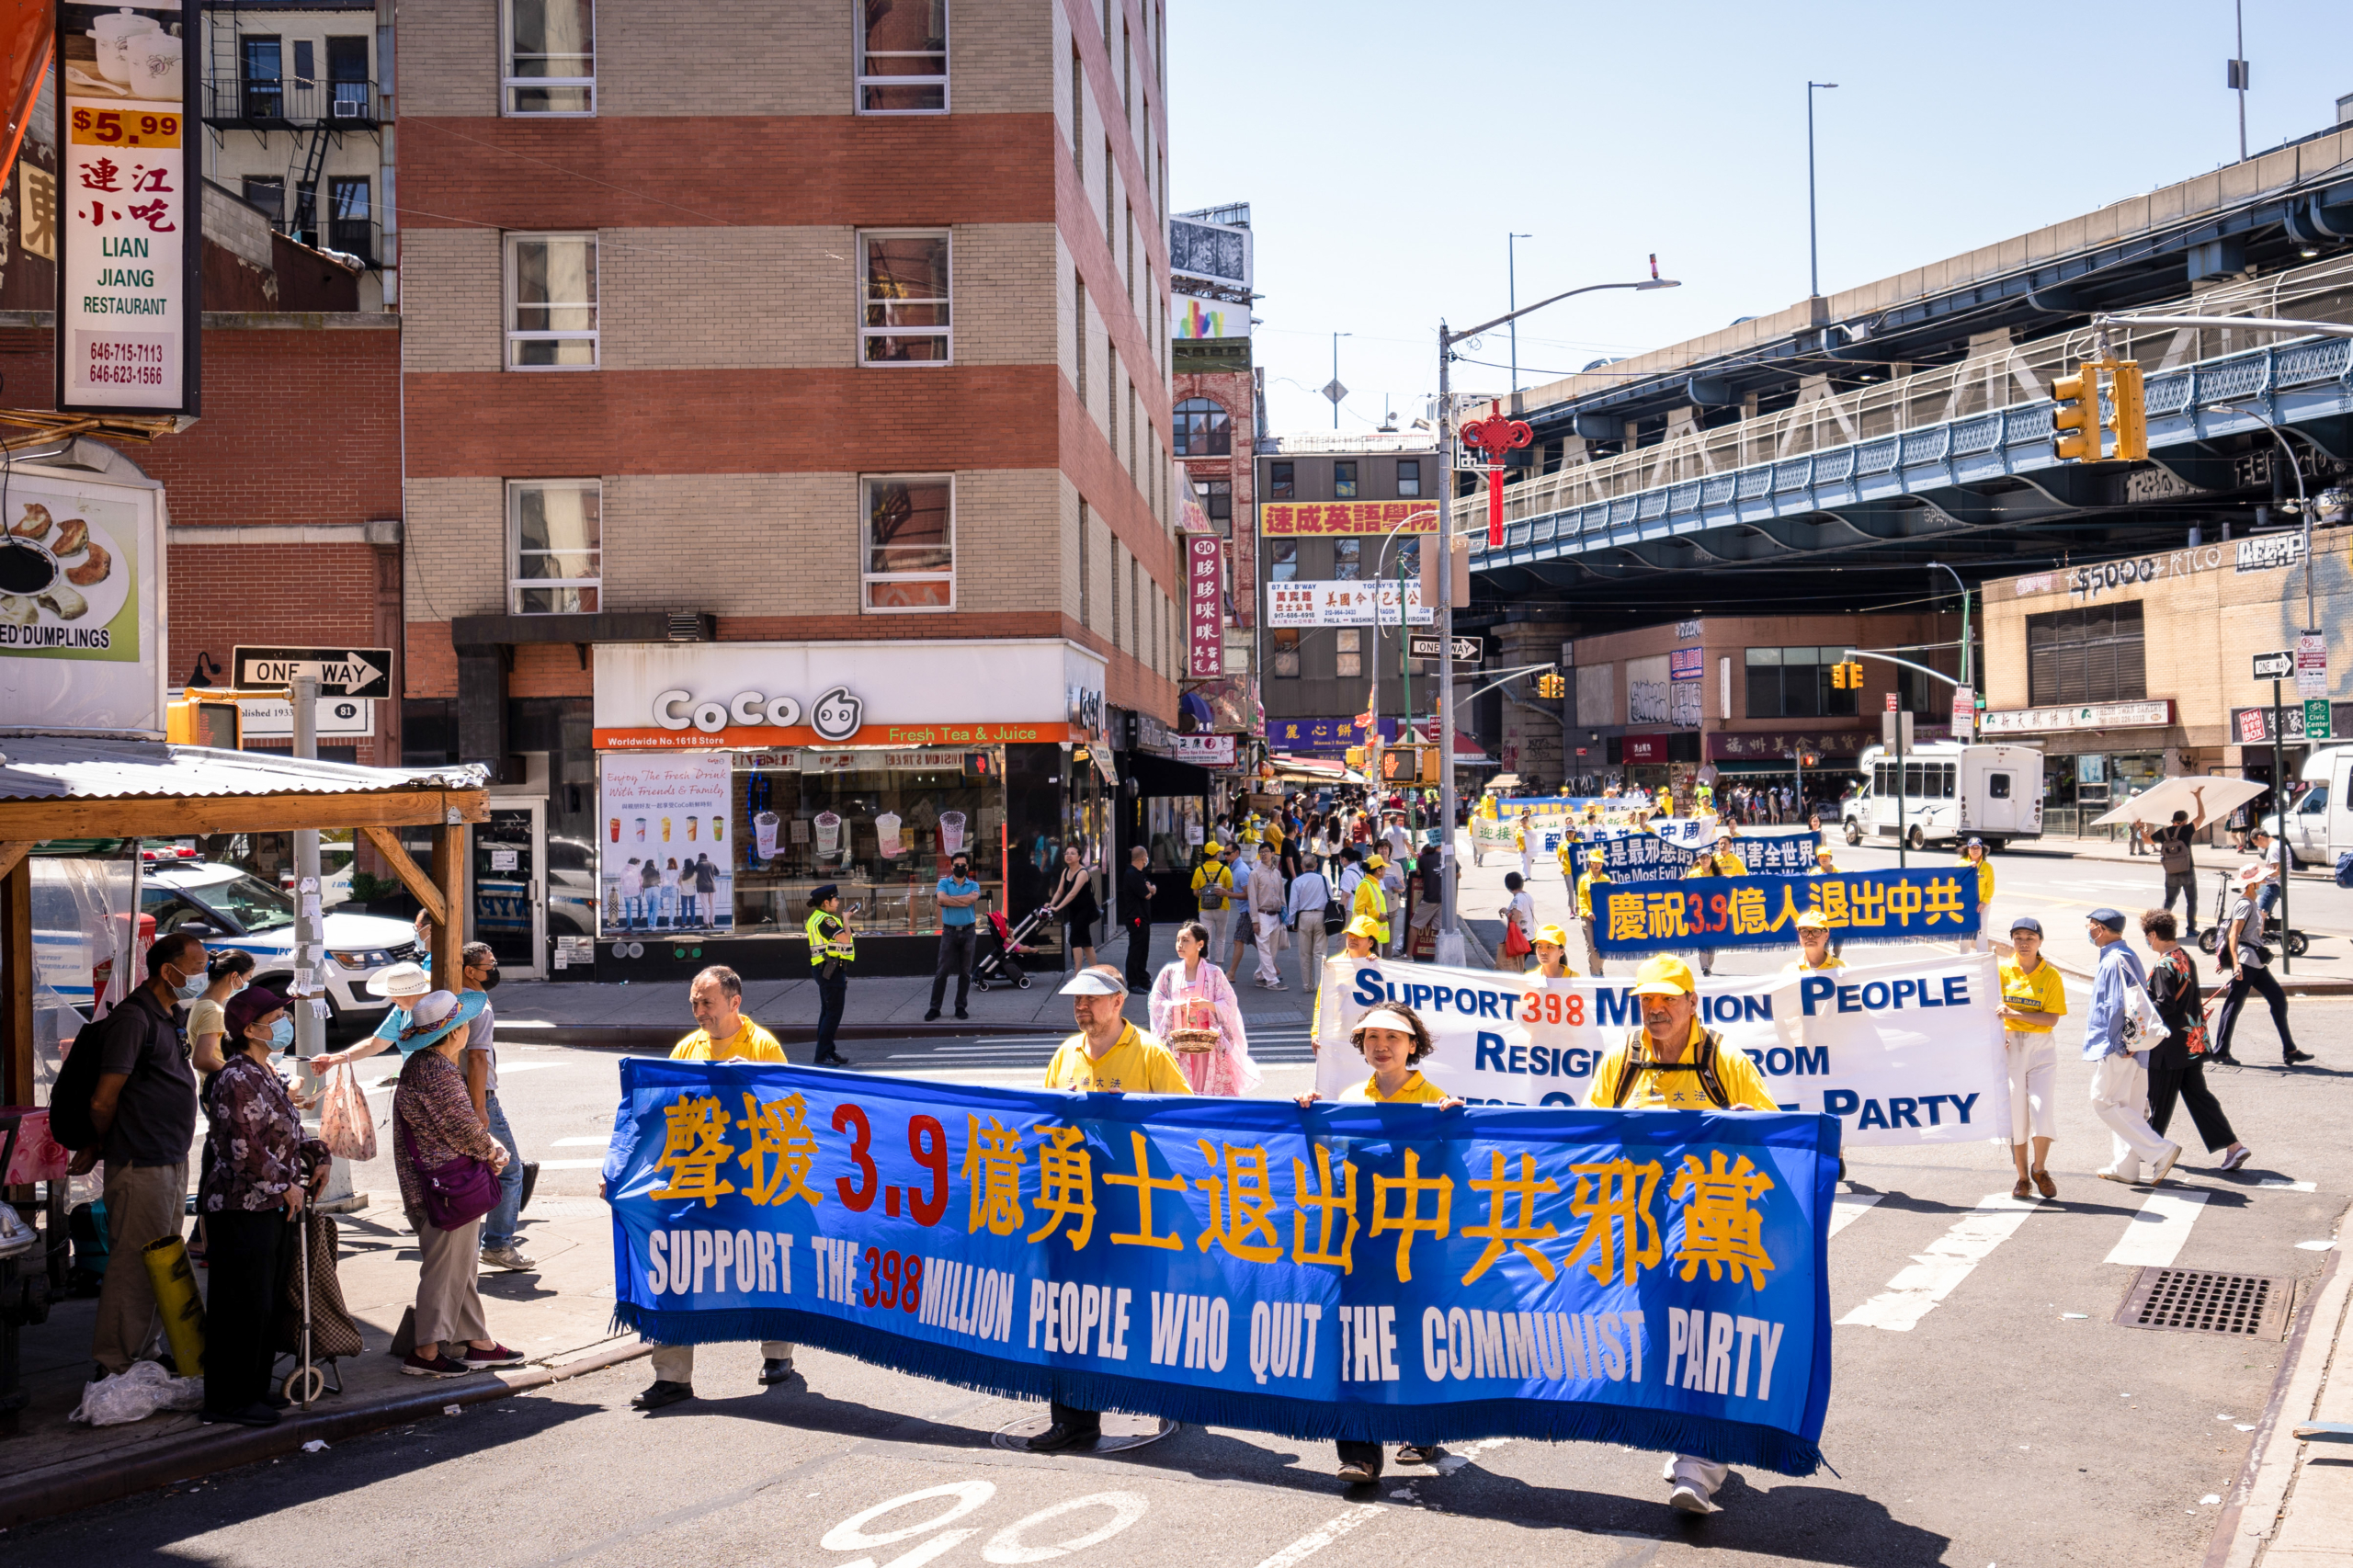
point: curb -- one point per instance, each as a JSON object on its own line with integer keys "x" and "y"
{"x": 2261, "y": 1491}
{"x": 35, "y": 1495}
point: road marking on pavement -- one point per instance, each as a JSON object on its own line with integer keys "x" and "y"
{"x": 582, "y": 1143}
{"x": 1315, "y": 1540}
{"x": 1845, "y": 1209}
{"x": 2154, "y": 1237}
{"x": 1936, "y": 1273}
{"x": 2285, "y": 1185}
{"x": 572, "y": 1165}
{"x": 530, "y": 1066}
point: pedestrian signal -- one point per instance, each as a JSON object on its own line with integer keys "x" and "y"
{"x": 2075, "y": 426}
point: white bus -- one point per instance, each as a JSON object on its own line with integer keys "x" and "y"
{"x": 1950, "y": 792}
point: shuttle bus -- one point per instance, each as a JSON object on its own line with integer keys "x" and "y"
{"x": 1951, "y": 790}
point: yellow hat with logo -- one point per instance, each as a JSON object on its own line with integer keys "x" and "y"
{"x": 1211, "y": 848}
{"x": 1664, "y": 974}
{"x": 1364, "y": 925}
{"x": 1813, "y": 920}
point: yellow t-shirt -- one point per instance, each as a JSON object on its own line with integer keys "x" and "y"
{"x": 749, "y": 1043}
{"x": 1593, "y": 878}
{"x": 2043, "y": 989}
{"x": 1714, "y": 865}
{"x": 1799, "y": 966}
{"x": 1213, "y": 873}
{"x": 1138, "y": 1064}
{"x": 1370, "y": 900}
{"x": 1416, "y": 1090}
{"x": 1985, "y": 880}
{"x": 1744, "y": 1086}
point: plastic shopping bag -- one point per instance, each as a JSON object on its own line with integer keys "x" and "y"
{"x": 135, "y": 1395}
{"x": 346, "y": 1124}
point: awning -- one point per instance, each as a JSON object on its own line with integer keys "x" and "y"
{"x": 1312, "y": 769}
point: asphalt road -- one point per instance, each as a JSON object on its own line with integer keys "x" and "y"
{"x": 2015, "y": 1422}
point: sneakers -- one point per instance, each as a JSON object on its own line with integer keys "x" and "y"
{"x": 2172, "y": 1153}
{"x": 1689, "y": 1499}
{"x": 660, "y": 1393}
{"x": 496, "y": 1356}
{"x": 2233, "y": 1159}
{"x": 508, "y": 1257}
{"x": 835, "y": 1059}
{"x": 416, "y": 1366}
{"x": 2108, "y": 1173}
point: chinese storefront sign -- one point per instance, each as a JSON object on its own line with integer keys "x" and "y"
{"x": 1342, "y": 603}
{"x": 1540, "y": 1272}
{"x": 1206, "y": 751}
{"x": 2152, "y": 713}
{"x": 1204, "y": 607}
{"x": 1327, "y": 736}
{"x": 1761, "y": 911}
{"x": 128, "y": 297}
{"x": 1277, "y": 519}
{"x": 1727, "y": 746}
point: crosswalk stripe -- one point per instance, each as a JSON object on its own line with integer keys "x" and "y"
{"x": 2154, "y": 1237}
{"x": 1849, "y": 1207}
{"x": 572, "y": 1165}
{"x": 1936, "y": 1273}
{"x": 582, "y": 1143}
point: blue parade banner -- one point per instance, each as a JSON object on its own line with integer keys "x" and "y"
{"x": 1374, "y": 1272}
{"x": 1762, "y": 912}
{"x": 1631, "y": 855}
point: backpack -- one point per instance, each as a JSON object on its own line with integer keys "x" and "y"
{"x": 70, "y": 1121}
{"x": 1703, "y": 1063}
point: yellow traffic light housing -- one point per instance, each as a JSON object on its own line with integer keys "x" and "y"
{"x": 1838, "y": 677}
{"x": 2128, "y": 410}
{"x": 1356, "y": 756}
{"x": 1551, "y": 685}
{"x": 2075, "y": 425}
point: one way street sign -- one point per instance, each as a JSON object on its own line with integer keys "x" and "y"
{"x": 340, "y": 672}
{"x": 1427, "y": 646}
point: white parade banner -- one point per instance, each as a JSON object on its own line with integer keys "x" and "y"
{"x": 1904, "y": 1053}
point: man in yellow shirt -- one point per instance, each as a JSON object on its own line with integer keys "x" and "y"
{"x": 2033, "y": 1001}
{"x": 1109, "y": 1056}
{"x": 727, "y": 1034}
{"x": 1213, "y": 895}
{"x": 1595, "y": 873}
{"x": 1673, "y": 1061}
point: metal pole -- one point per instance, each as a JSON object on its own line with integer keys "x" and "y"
{"x": 1903, "y": 835}
{"x": 1404, "y": 647}
{"x": 2279, "y": 839}
{"x": 1511, "y": 297}
{"x": 310, "y": 929}
{"x": 1812, "y": 236}
{"x": 2238, "y": 19}
{"x": 1449, "y": 934}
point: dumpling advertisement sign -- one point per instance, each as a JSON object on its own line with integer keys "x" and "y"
{"x": 81, "y": 602}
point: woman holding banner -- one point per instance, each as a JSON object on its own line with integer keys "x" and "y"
{"x": 1192, "y": 997}
{"x": 2033, "y": 1001}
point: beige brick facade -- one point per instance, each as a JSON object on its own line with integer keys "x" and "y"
{"x": 454, "y": 549}
{"x": 451, "y": 318}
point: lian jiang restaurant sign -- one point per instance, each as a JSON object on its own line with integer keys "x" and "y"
{"x": 128, "y": 301}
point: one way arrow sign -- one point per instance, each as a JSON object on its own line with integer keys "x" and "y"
{"x": 340, "y": 672}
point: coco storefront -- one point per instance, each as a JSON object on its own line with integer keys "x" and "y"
{"x": 733, "y": 778}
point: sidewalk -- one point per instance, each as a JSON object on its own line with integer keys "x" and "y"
{"x": 2293, "y": 1504}
{"x": 559, "y": 1315}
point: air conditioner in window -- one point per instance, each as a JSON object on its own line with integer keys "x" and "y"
{"x": 349, "y": 108}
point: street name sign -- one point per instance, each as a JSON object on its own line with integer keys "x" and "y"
{"x": 340, "y": 672}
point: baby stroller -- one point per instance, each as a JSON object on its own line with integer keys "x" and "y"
{"x": 1002, "y": 951}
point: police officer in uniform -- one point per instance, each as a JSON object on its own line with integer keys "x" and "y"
{"x": 832, "y": 949}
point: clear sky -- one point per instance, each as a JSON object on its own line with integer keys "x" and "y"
{"x": 1387, "y": 148}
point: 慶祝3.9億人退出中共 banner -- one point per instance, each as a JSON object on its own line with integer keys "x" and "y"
{"x": 1374, "y": 1272}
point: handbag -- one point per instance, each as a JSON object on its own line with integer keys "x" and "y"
{"x": 1515, "y": 942}
{"x": 457, "y": 1191}
{"x": 346, "y": 1124}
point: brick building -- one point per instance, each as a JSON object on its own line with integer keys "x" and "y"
{"x": 815, "y": 356}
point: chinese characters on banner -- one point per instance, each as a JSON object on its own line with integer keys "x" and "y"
{"x": 127, "y": 217}
{"x": 1204, "y": 607}
{"x": 1342, "y": 603}
{"x": 1762, "y": 912}
{"x": 1629, "y": 856}
{"x": 1277, "y": 519}
{"x": 1538, "y": 1272}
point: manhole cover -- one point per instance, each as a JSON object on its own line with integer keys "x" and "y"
{"x": 2193, "y": 1301}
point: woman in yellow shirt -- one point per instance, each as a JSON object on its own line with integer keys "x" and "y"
{"x": 1392, "y": 1037}
{"x": 1972, "y": 853}
{"x": 2033, "y": 1001}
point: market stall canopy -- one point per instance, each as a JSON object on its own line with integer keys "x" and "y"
{"x": 2212, "y": 798}
{"x": 73, "y": 786}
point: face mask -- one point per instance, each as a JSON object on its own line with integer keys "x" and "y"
{"x": 490, "y": 981}
{"x": 281, "y": 1035}
{"x": 191, "y": 988}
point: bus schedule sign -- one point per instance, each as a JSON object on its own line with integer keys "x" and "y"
{"x": 128, "y": 216}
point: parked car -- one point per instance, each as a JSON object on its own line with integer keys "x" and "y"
{"x": 230, "y": 909}
{"x": 2310, "y": 836}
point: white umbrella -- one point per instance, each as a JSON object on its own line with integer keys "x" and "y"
{"x": 2157, "y": 803}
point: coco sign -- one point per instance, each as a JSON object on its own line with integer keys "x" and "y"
{"x": 836, "y": 716}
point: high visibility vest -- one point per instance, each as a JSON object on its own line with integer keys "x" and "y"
{"x": 822, "y": 947}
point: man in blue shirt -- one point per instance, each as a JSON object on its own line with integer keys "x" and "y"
{"x": 959, "y": 894}
{"x": 2119, "y": 1072}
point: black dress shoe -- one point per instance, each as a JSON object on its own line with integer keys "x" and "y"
{"x": 932, "y": 1017}
{"x": 777, "y": 1370}
{"x": 836, "y": 1060}
{"x": 662, "y": 1393}
{"x": 1058, "y": 1436}
{"x": 963, "y": 1015}
{"x": 2292, "y": 1056}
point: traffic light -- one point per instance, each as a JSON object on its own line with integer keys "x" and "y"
{"x": 2128, "y": 410}
{"x": 1855, "y": 677}
{"x": 1551, "y": 685}
{"x": 1838, "y": 677}
{"x": 1356, "y": 756}
{"x": 2075, "y": 426}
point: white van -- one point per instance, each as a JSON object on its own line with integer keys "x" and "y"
{"x": 1951, "y": 790}
{"x": 2320, "y": 825}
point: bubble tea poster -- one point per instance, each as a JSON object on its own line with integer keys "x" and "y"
{"x": 665, "y": 812}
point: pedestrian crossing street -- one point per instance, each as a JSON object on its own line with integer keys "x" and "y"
{"x": 1273, "y": 1046}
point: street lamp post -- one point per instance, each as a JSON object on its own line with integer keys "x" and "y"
{"x": 1449, "y": 935}
{"x": 1511, "y": 297}
{"x": 1812, "y": 236}
{"x": 1334, "y": 392}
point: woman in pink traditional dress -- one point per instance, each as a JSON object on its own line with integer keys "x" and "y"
{"x": 1192, "y": 997}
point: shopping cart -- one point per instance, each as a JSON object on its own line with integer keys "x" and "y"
{"x": 314, "y": 1330}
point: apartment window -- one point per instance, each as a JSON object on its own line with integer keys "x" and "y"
{"x": 1127, "y": 69}
{"x": 1079, "y": 323}
{"x": 1348, "y": 560}
{"x": 270, "y": 195}
{"x": 903, "y": 57}
{"x": 551, "y": 301}
{"x": 907, "y": 554}
{"x": 1077, "y": 111}
{"x": 1217, "y": 500}
{"x": 1349, "y": 661}
{"x": 1110, "y": 202}
{"x": 306, "y": 63}
{"x": 350, "y": 224}
{"x": 347, "y": 76}
{"x": 1286, "y": 641}
{"x": 1202, "y": 429}
{"x": 550, "y": 57}
{"x": 1135, "y": 605}
{"x": 1282, "y": 481}
{"x": 1344, "y": 481}
{"x": 1085, "y": 575}
{"x": 263, "y": 73}
{"x": 1409, "y": 476}
{"x": 1116, "y": 554}
{"x": 2092, "y": 654}
{"x": 907, "y": 298}
{"x": 555, "y": 541}
{"x": 1111, "y": 399}
{"x": 1794, "y": 683}
{"x": 1132, "y": 252}
{"x": 1283, "y": 556}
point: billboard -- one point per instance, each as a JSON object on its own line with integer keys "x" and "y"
{"x": 81, "y": 626}
{"x": 1211, "y": 261}
{"x": 1277, "y": 518}
{"x": 1342, "y": 603}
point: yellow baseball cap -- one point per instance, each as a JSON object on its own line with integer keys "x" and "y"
{"x": 1814, "y": 920}
{"x": 1375, "y": 863}
{"x": 1553, "y": 935}
{"x": 1364, "y": 925}
{"x": 1664, "y": 974}
{"x": 1211, "y": 849}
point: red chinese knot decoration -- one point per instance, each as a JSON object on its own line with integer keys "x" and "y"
{"x": 1495, "y": 435}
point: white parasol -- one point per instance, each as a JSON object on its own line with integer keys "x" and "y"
{"x": 2157, "y": 803}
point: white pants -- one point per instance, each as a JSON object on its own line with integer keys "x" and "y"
{"x": 1702, "y": 1476}
{"x": 2120, "y": 1099}
{"x": 2033, "y": 1058}
{"x": 1270, "y": 928}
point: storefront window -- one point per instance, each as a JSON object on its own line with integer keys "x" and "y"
{"x": 1173, "y": 830}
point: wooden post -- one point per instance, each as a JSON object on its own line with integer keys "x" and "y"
{"x": 448, "y": 936}
{"x": 16, "y": 984}
{"x": 424, "y": 889}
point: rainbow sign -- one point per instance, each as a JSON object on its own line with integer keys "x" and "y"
{"x": 1208, "y": 318}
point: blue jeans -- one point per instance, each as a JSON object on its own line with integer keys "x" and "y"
{"x": 498, "y": 1225}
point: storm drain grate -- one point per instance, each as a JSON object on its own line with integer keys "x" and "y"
{"x": 2193, "y": 1301}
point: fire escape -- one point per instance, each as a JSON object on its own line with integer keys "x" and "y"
{"x": 275, "y": 87}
